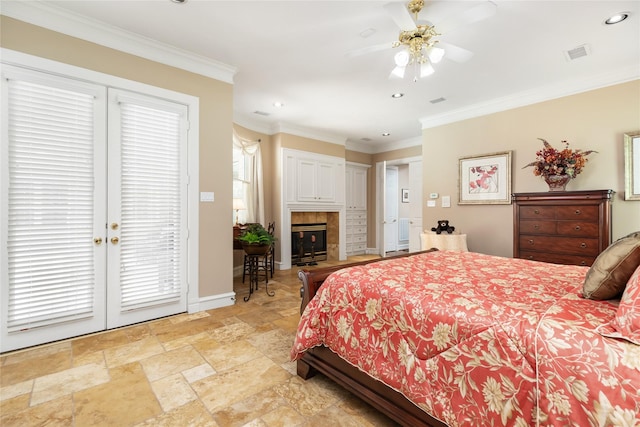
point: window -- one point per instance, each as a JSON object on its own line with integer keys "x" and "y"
{"x": 242, "y": 165}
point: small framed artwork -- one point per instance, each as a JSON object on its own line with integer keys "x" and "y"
{"x": 405, "y": 195}
{"x": 632, "y": 166}
{"x": 485, "y": 179}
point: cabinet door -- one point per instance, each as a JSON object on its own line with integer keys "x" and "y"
{"x": 326, "y": 182}
{"x": 359, "y": 189}
{"x": 307, "y": 180}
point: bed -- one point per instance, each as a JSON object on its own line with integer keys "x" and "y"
{"x": 443, "y": 338}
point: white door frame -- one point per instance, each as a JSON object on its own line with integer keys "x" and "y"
{"x": 380, "y": 196}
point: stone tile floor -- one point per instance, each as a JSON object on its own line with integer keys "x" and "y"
{"x": 222, "y": 367}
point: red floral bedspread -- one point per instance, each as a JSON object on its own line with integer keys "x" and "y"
{"x": 477, "y": 340}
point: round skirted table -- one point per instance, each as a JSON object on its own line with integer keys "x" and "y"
{"x": 443, "y": 241}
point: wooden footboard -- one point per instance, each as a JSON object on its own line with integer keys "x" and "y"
{"x": 321, "y": 359}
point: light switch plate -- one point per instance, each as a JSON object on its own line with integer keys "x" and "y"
{"x": 206, "y": 196}
{"x": 431, "y": 203}
{"x": 446, "y": 201}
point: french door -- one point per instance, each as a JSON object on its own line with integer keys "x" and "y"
{"x": 93, "y": 218}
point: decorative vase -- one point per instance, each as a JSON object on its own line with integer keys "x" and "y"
{"x": 557, "y": 182}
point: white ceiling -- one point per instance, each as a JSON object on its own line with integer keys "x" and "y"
{"x": 294, "y": 52}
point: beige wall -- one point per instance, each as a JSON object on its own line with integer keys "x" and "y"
{"x": 595, "y": 120}
{"x": 216, "y": 100}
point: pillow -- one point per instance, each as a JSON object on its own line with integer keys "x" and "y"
{"x": 612, "y": 269}
{"x": 626, "y": 324}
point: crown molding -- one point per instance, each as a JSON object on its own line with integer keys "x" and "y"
{"x": 533, "y": 96}
{"x": 65, "y": 22}
{"x": 309, "y": 133}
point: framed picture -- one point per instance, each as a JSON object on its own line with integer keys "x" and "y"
{"x": 405, "y": 195}
{"x": 485, "y": 179}
{"x": 632, "y": 166}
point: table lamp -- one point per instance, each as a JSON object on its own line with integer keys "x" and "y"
{"x": 237, "y": 205}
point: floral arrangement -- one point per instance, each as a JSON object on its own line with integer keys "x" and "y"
{"x": 551, "y": 161}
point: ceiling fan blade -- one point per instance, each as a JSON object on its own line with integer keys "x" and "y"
{"x": 400, "y": 15}
{"x": 369, "y": 49}
{"x": 475, "y": 14}
{"x": 455, "y": 53}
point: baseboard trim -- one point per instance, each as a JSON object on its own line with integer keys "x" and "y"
{"x": 212, "y": 302}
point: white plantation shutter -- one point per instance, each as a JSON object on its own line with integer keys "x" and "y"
{"x": 50, "y": 211}
{"x": 151, "y": 252}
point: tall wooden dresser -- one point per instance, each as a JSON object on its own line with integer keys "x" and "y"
{"x": 568, "y": 227}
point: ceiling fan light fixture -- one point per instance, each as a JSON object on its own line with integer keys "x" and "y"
{"x": 426, "y": 69}
{"x": 401, "y": 58}
{"x": 398, "y": 72}
{"x": 435, "y": 54}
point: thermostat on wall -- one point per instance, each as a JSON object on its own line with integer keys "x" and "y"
{"x": 433, "y": 195}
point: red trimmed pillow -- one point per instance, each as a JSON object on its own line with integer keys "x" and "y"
{"x": 626, "y": 324}
{"x": 612, "y": 269}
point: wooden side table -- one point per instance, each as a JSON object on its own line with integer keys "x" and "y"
{"x": 444, "y": 241}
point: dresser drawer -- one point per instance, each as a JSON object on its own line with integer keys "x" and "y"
{"x": 538, "y": 212}
{"x": 579, "y": 213}
{"x": 559, "y": 245}
{"x": 558, "y": 258}
{"x": 538, "y": 227}
{"x": 577, "y": 228}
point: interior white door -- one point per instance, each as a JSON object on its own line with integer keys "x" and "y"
{"x": 381, "y": 179}
{"x": 391, "y": 210}
{"x": 415, "y": 205}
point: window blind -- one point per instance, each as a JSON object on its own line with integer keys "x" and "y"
{"x": 150, "y": 257}
{"x": 50, "y": 205}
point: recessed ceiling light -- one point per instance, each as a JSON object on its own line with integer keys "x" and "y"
{"x": 618, "y": 17}
{"x": 397, "y": 95}
{"x": 278, "y": 104}
{"x": 385, "y": 134}
{"x": 179, "y": 1}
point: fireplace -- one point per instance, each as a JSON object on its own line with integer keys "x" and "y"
{"x": 308, "y": 243}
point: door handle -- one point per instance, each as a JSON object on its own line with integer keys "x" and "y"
{"x": 115, "y": 240}
{"x": 97, "y": 240}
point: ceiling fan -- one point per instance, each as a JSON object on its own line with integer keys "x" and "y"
{"x": 419, "y": 41}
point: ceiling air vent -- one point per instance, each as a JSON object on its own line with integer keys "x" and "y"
{"x": 365, "y": 139}
{"x": 577, "y": 52}
{"x": 260, "y": 113}
{"x": 437, "y": 100}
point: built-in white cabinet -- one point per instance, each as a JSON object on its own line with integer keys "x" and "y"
{"x": 356, "y": 204}
{"x": 316, "y": 180}
{"x": 356, "y": 187}
{"x": 312, "y": 178}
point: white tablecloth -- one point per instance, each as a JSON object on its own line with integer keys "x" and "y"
{"x": 444, "y": 241}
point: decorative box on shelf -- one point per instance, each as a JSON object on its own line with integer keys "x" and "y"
{"x": 566, "y": 227}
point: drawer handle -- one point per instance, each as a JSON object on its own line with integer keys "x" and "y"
{"x": 583, "y": 245}
{"x": 578, "y": 212}
{"x": 530, "y": 257}
{"x": 577, "y": 228}
{"x": 536, "y": 211}
{"x": 583, "y": 263}
{"x": 536, "y": 226}
{"x": 531, "y": 241}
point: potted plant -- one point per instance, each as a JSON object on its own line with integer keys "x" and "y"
{"x": 256, "y": 240}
